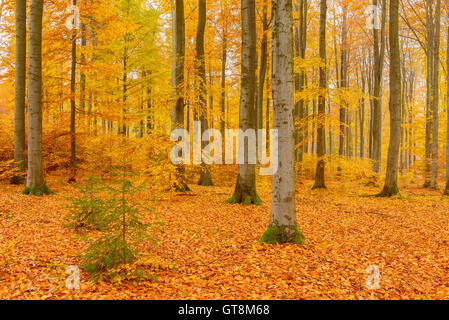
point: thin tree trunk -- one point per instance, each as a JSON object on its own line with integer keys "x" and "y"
{"x": 379, "y": 57}
{"x": 19, "y": 94}
{"x": 391, "y": 186}
{"x": 321, "y": 124}
{"x": 245, "y": 187}
{"x": 178, "y": 82}
{"x": 205, "y": 176}
{"x": 262, "y": 73}
{"x": 435, "y": 95}
{"x": 429, "y": 81}
{"x": 446, "y": 191}
{"x": 72, "y": 177}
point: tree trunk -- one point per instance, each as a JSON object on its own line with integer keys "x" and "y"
{"x": 205, "y": 176}
{"x": 300, "y": 44}
{"x": 321, "y": 124}
{"x": 245, "y": 188}
{"x": 391, "y": 187}
{"x": 73, "y": 105}
{"x": 435, "y": 95}
{"x": 178, "y": 81}
{"x": 19, "y": 94}
{"x": 262, "y": 73}
{"x": 446, "y": 191}
{"x": 429, "y": 81}
{"x": 379, "y": 57}
{"x": 35, "y": 179}
{"x": 283, "y": 226}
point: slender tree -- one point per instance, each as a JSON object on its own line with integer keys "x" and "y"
{"x": 435, "y": 95}
{"x": 321, "y": 125}
{"x": 379, "y": 57}
{"x": 35, "y": 184}
{"x": 73, "y": 103}
{"x": 391, "y": 180}
{"x": 446, "y": 191}
{"x": 245, "y": 187}
{"x": 178, "y": 82}
{"x": 205, "y": 176}
{"x": 283, "y": 225}
{"x": 19, "y": 99}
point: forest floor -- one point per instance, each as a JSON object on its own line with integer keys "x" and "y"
{"x": 215, "y": 247}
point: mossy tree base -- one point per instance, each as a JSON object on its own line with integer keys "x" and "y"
{"x": 283, "y": 234}
{"x": 205, "y": 181}
{"x": 37, "y": 191}
{"x": 245, "y": 198}
{"x": 388, "y": 192}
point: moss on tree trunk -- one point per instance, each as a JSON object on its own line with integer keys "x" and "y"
{"x": 282, "y": 234}
{"x": 37, "y": 191}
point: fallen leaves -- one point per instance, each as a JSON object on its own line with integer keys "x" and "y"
{"x": 210, "y": 250}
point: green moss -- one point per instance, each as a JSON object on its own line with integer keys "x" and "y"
{"x": 388, "y": 192}
{"x": 37, "y": 191}
{"x": 282, "y": 234}
{"x": 245, "y": 199}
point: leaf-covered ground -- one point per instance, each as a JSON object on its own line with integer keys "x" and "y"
{"x": 214, "y": 246}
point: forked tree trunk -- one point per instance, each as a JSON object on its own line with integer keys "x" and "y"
{"x": 245, "y": 187}
{"x": 321, "y": 124}
{"x": 391, "y": 180}
{"x": 283, "y": 225}
{"x": 19, "y": 97}
{"x": 205, "y": 176}
{"x": 35, "y": 179}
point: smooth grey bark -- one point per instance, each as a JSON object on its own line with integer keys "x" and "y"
{"x": 391, "y": 180}
{"x": 379, "y": 57}
{"x": 283, "y": 225}
{"x": 321, "y": 124}
{"x": 19, "y": 92}
{"x": 35, "y": 184}
{"x": 435, "y": 95}
{"x": 245, "y": 187}
{"x": 200, "y": 64}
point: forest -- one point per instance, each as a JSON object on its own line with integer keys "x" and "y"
{"x": 224, "y": 150}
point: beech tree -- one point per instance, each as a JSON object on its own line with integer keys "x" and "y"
{"x": 283, "y": 226}
{"x": 19, "y": 97}
{"x": 245, "y": 187}
{"x": 391, "y": 180}
{"x": 35, "y": 184}
{"x": 177, "y": 120}
{"x": 200, "y": 64}
{"x": 321, "y": 131}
